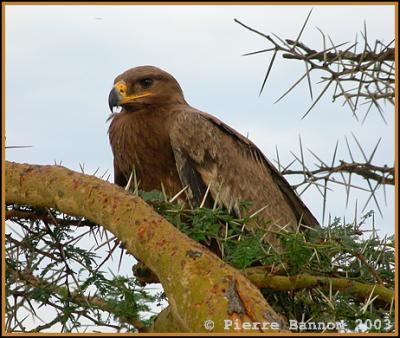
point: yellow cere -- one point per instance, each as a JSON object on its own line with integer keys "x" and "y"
{"x": 121, "y": 87}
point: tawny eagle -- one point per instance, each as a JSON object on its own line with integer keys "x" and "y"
{"x": 167, "y": 141}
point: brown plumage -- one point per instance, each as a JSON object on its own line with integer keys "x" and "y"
{"x": 166, "y": 140}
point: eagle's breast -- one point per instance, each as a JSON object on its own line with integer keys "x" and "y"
{"x": 140, "y": 142}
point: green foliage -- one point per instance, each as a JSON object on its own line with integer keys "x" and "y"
{"x": 124, "y": 297}
{"x": 66, "y": 268}
{"x": 49, "y": 264}
{"x": 242, "y": 254}
{"x": 296, "y": 254}
{"x": 342, "y": 250}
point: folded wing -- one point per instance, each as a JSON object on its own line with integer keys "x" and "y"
{"x": 211, "y": 155}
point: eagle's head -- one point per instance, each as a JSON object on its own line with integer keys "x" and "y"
{"x": 142, "y": 87}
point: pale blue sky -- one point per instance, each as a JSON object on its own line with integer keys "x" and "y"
{"x": 61, "y": 62}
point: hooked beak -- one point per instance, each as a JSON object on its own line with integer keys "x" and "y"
{"x": 113, "y": 99}
{"x": 118, "y": 95}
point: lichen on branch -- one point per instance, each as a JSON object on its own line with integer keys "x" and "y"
{"x": 195, "y": 280}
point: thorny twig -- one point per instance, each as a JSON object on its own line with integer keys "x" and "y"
{"x": 339, "y": 172}
{"x": 372, "y": 70}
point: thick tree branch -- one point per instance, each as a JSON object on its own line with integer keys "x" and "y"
{"x": 259, "y": 277}
{"x": 221, "y": 293}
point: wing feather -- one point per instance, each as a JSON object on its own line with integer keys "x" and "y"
{"x": 235, "y": 169}
{"x": 189, "y": 176}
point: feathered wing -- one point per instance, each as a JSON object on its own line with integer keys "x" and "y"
{"x": 209, "y": 153}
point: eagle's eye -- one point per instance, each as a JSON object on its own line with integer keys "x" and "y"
{"x": 146, "y": 83}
